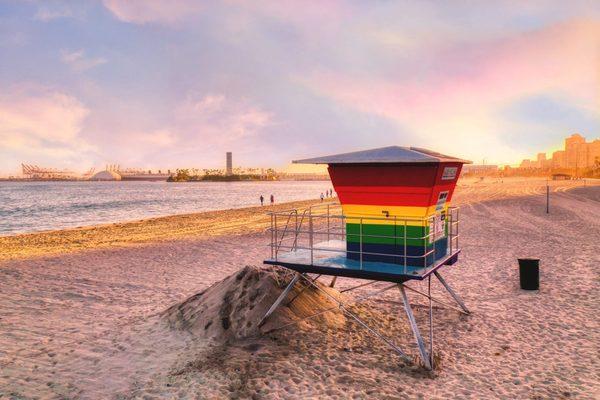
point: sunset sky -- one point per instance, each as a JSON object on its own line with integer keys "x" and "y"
{"x": 177, "y": 83}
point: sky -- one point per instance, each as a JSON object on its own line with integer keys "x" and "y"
{"x": 168, "y": 84}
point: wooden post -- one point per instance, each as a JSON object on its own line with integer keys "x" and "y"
{"x": 547, "y": 198}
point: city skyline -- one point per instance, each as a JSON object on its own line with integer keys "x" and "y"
{"x": 157, "y": 85}
{"x": 575, "y": 152}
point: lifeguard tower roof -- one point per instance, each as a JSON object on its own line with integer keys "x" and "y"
{"x": 384, "y": 155}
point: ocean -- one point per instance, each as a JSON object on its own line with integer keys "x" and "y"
{"x": 39, "y": 206}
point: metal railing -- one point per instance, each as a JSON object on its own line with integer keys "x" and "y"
{"x": 322, "y": 230}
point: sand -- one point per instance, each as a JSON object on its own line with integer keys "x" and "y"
{"x": 233, "y": 309}
{"x": 152, "y": 230}
{"x": 99, "y": 323}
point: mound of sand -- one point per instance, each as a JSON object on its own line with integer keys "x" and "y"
{"x": 233, "y": 307}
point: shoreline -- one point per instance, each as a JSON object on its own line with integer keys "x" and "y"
{"x": 159, "y": 217}
{"x": 233, "y": 221}
{"x": 143, "y": 231}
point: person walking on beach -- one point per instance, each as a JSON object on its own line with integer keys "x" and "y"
{"x": 272, "y": 199}
{"x": 322, "y": 197}
{"x": 262, "y": 200}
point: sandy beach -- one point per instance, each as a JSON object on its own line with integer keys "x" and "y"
{"x": 105, "y": 312}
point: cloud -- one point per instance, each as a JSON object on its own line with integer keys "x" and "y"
{"x": 220, "y": 120}
{"x": 79, "y": 62}
{"x": 295, "y": 12}
{"x": 193, "y": 132}
{"x": 292, "y": 78}
{"x": 299, "y": 12}
{"x": 41, "y": 125}
{"x": 46, "y": 14}
{"x": 456, "y": 103}
{"x": 161, "y": 137}
{"x": 147, "y": 140}
{"x": 12, "y": 39}
{"x": 152, "y": 11}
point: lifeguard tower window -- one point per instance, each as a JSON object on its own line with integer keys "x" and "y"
{"x": 449, "y": 173}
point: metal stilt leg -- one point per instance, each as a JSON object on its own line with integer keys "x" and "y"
{"x": 344, "y": 308}
{"x": 452, "y": 293}
{"x": 281, "y": 297}
{"x": 301, "y": 291}
{"x": 430, "y": 321}
{"x": 415, "y": 328}
{"x": 332, "y": 284}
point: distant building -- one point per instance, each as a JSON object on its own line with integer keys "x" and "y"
{"x": 40, "y": 173}
{"x": 526, "y": 164}
{"x": 106, "y": 175}
{"x": 114, "y": 172}
{"x": 479, "y": 169}
{"x": 301, "y": 176}
{"x": 559, "y": 159}
{"x": 574, "y": 148}
{"x": 541, "y": 161}
{"x": 577, "y": 155}
{"x": 560, "y": 177}
{"x": 229, "y": 161}
{"x": 593, "y": 158}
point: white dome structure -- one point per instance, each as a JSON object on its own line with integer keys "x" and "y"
{"x": 106, "y": 176}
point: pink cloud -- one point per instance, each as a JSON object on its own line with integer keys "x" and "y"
{"x": 190, "y": 133}
{"x": 564, "y": 58}
{"x": 220, "y": 120}
{"x": 147, "y": 11}
{"x": 41, "y": 123}
{"x": 79, "y": 62}
{"x": 467, "y": 86}
{"x": 47, "y": 14}
{"x": 299, "y": 12}
{"x": 40, "y": 114}
{"x": 311, "y": 20}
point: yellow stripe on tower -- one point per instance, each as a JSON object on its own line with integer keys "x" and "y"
{"x": 377, "y": 214}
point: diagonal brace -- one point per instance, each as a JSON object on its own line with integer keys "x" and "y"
{"x": 301, "y": 291}
{"x": 452, "y": 293}
{"x": 356, "y": 302}
{"x": 435, "y": 299}
{"x": 344, "y": 308}
{"x": 280, "y": 299}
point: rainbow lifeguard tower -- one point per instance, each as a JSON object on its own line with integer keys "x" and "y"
{"x": 393, "y": 223}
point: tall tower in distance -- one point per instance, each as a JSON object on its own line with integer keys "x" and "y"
{"x": 229, "y": 169}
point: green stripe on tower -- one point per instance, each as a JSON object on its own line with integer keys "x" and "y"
{"x": 387, "y": 234}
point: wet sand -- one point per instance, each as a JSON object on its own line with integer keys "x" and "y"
{"x": 88, "y": 323}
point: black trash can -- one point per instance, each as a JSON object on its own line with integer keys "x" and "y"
{"x": 529, "y": 273}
